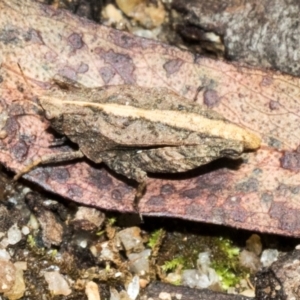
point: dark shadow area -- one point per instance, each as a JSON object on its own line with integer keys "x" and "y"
{"x": 221, "y": 163}
{"x": 239, "y": 236}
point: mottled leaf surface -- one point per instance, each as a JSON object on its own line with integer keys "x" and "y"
{"x": 261, "y": 192}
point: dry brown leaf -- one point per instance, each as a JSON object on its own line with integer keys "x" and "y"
{"x": 262, "y": 193}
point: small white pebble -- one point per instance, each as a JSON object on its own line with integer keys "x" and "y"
{"x": 33, "y": 222}
{"x": 83, "y": 244}
{"x": 118, "y": 274}
{"x": 21, "y": 265}
{"x": 25, "y": 230}
{"x": 113, "y": 14}
{"x": 57, "y": 283}
{"x": 114, "y": 295}
{"x": 7, "y": 275}
{"x": 14, "y": 235}
{"x": 164, "y": 296}
{"x": 4, "y": 243}
{"x": 268, "y": 257}
{"x": 133, "y": 288}
{"x": 12, "y": 200}
{"x": 26, "y": 190}
{"x": 4, "y": 255}
{"x": 92, "y": 291}
{"x": 139, "y": 262}
{"x": 248, "y": 293}
{"x": 49, "y": 202}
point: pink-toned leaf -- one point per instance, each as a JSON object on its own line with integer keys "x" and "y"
{"x": 262, "y": 193}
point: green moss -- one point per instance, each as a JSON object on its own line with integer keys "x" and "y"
{"x": 172, "y": 265}
{"x": 226, "y": 246}
{"x": 177, "y": 282}
{"x": 111, "y": 221}
{"x": 31, "y": 241}
{"x": 181, "y": 251}
{"x": 34, "y": 247}
{"x": 155, "y": 238}
{"x": 225, "y": 261}
{"x": 53, "y": 253}
{"x": 100, "y": 233}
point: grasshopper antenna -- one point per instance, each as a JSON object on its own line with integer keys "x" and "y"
{"x": 30, "y": 90}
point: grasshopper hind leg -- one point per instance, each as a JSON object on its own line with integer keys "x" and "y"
{"x": 126, "y": 167}
{"x": 140, "y": 191}
{"x": 47, "y": 159}
{"x": 141, "y": 177}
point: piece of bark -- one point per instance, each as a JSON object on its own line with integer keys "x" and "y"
{"x": 253, "y": 32}
{"x": 262, "y": 192}
{"x": 281, "y": 279}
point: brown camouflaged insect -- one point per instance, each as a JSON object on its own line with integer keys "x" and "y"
{"x": 135, "y": 130}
